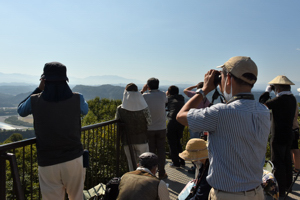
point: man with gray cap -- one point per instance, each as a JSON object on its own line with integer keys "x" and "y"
{"x": 142, "y": 183}
{"x": 56, "y": 112}
{"x": 238, "y": 131}
{"x": 283, "y": 108}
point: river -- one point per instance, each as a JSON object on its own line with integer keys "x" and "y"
{"x": 6, "y": 126}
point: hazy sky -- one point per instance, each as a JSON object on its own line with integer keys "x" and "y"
{"x": 176, "y": 40}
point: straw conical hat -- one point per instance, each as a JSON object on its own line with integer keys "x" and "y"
{"x": 281, "y": 80}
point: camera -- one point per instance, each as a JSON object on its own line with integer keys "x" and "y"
{"x": 217, "y": 78}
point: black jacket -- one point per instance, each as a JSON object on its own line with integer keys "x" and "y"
{"x": 175, "y": 103}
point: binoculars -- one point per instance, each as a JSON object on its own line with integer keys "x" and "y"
{"x": 217, "y": 78}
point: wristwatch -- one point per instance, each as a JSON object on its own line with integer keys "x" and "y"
{"x": 200, "y": 91}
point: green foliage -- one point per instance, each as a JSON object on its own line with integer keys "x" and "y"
{"x": 4, "y": 134}
{"x": 14, "y": 120}
{"x": 268, "y": 151}
{"x": 14, "y": 138}
{"x": 100, "y": 110}
{"x": 28, "y": 172}
{"x": 101, "y": 142}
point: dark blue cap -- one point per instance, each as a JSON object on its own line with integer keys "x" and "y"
{"x": 55, "y": 71}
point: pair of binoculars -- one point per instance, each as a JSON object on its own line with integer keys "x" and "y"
{"x": 217, "y": 78}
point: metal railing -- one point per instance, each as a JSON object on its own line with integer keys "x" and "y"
{"x": 19, "y": 169}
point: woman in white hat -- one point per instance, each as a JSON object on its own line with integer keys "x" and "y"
{"x": 135, "y": 114}
{"x": 196, "y": 151}
{"x": 283, "y": 108}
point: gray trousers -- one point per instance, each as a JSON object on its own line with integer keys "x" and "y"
{"x": 157, "y": 142}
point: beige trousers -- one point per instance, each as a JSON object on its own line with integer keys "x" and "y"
{"x": 256, "y": 194}
{"x": 57, "y": 179}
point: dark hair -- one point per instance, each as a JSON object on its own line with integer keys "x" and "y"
{"x": 131, "y": 87}
{"x": 248, "y": 76}
{"x": 153, "y": 83}
{"x": 200, "y": 85}
{"x": 172, "y": 90}
{"x": 284, "y": 87}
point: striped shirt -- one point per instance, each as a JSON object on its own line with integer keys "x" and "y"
{"x": 238, "y": 134}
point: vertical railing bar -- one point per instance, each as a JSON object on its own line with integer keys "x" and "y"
{"x": 112, "y": 139}
{"x": 118, "y": 149}
{"x": 101, "y": 147}
{"x": 16, "y": 177}
{"x": 13, "y": 186}
{"x": 105, "y": 143}
{"x": 92, "y": 168}
{"x": 88, "y": 141}
{"x": 96, "y": 152}
{"x": 31, "y": 172}
{"x": 23, "y": 167}
{"x": 2, "y": 176}
{"x": 93, "y": 154}
{"x": 84, "y": 139}
{"x": 108, "y": 144}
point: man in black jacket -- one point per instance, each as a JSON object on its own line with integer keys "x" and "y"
{"x": 174, "y": 128}
{"x": 283, "y": 111}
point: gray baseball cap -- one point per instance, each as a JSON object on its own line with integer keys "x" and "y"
{"x": 148, "y": 160}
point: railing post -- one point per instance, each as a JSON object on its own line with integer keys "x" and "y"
{"x": 15, "y": 174}
{"x": 2, "y": 177}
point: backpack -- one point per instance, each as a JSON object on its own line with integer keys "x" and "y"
{"x": 112, "y": 189}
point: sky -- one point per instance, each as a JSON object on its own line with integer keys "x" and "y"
{"x": 175, "y": 40}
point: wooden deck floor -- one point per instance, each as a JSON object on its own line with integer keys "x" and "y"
{"x": 177, "y": 179}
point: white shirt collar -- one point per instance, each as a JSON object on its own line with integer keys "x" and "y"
{"x": 144, "y": 169}
{"x": 284, "y": 93}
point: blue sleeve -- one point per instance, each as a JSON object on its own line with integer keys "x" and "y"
{"x": 84, "y": 107}
{"x": 24, "y": 108}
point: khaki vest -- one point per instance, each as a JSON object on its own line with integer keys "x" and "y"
{"x": 57, "y": 128}
{"x": 138, "y": 185}
{"x": 135, "y": 126}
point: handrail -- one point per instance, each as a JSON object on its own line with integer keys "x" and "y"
{"x": 107, "y": 160}
{"x": 99, "y": 125}
{"x": 22, "y": 143}
{"x": 14, "y": 145}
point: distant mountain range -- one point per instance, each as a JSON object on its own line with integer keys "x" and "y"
{"x": 90, "y": 92}
{"x": 24, "y": 81}
{"x": 15, "y": 87}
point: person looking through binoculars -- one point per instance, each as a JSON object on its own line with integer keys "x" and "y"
{"x": 238, "y": 130}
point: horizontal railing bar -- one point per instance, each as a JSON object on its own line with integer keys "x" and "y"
{"x": 98, "y": 125}
{"x": 14, "y": 145}
{"x": 6, "y": 147}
